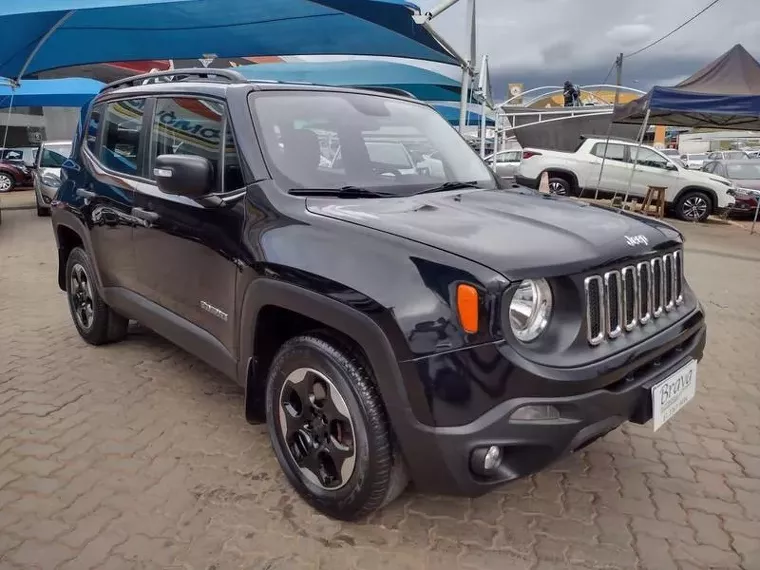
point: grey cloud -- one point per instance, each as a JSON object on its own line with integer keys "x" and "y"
{"x": 545, "y": 42}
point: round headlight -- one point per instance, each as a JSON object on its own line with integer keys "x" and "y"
{"x": 530, "y": 309}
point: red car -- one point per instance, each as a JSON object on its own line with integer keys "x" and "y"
{"x": 14, "y": 173}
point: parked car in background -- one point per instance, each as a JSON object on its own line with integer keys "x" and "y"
{"x": 506, "y": 162}
{"x": 14, "y": 174}
{"x": 385, "y": 326}
{"x": 25, "y": 154}
{"x": 690, "y": 195}
{"x": 693, "y": 161}
{"x": 745, "y": 174}
{"x": 47, "y": 173}
{"x": 727, "y": 155}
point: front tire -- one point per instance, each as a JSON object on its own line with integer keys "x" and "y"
{"x": 7, "y": 182}
{"x": 95, "y": 321}
{"x": 329, "y": 429}
{"x": 694, "y": 206}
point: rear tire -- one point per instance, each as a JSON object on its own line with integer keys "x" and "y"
{"x": 559, "y": 186}
{"x": 95, "y": 321}
{"x": 694, "y": 206}
{"x": 339, "y": 454}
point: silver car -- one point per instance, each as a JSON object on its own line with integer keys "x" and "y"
{"x": 47, "y": 173}
{"x": 506, "y": 163}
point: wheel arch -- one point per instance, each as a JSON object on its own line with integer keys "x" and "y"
{"x": 68, "y": 236}
{"x": 694, "y": 188}
{"x": 351, "y": 324}
{"x": 564, "y": 173}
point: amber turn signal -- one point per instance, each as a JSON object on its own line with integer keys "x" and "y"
{"x": 467, "y": 307}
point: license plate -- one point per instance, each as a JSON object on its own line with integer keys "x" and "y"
{"x": 673, "y": 393}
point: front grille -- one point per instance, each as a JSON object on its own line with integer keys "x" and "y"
{"x": 619, "y": 301}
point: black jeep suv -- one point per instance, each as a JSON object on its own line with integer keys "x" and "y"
{"x": 389, "y": 321}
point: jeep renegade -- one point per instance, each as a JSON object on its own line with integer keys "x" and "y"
{"x": 388, "y": 325}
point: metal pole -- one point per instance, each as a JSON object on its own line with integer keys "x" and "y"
{"x": 636, "y": 156}
{"x": 466, "y": 69}
{"x": 618, "y": 82}
{"x": 483, "y": 129}
{"x": 754, "y": 221}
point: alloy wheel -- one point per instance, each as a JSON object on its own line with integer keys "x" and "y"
{"x": 5, "y": 183}
{"x": 317, "y": 428}
{"x": 557, "y": 188}
{"x": 694, "y": 207}
{"x": 81, "y": 296}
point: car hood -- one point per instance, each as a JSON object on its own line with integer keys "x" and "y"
{"x": 751, "y": 184}
{"x": 517, "y": 233}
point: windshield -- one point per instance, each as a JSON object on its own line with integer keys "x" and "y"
{"x": 749, "y": 171}
{"x": 332, "y": 140}
{"x": 54, "y": 155}
{"x": 736, "y": 154}
{"x": 697, "y": 156}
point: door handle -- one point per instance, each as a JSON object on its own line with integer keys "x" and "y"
{"x": 146, "y": 215}
{"x": 86, "y": 194}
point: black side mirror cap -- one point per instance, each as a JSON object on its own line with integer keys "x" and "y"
{"x": 184, "y": 174}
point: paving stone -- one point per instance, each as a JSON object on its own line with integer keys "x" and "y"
{"x": 135, "y": 455}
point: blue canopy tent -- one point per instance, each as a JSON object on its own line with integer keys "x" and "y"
{"x": 48, "y": 34}
{"x": 72, "y": 92}
{"x": 422, "y": 83}
{"x": 451, "y": 114}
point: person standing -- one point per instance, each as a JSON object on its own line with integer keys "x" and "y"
{"x": 572, "y": 95}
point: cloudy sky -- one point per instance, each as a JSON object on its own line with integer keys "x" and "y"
{"x": 540, "y": 42}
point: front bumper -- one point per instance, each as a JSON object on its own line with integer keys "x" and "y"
{"x": 45, "y": 194}
{"x": 439, "y": 458}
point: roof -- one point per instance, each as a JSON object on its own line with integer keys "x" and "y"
{"x": 724, "y": 94}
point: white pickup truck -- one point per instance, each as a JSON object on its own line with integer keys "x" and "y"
{"x": 690, "y": 195}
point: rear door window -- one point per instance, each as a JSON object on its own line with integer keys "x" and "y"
{"x": 614, "y": 151}
{"x": 122, "y": 126}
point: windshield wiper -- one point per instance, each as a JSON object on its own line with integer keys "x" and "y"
{"x": 343, "y": 192}
{"x": 448, "y": 186}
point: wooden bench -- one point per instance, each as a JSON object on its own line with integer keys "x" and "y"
{"x": 655, "y": 196}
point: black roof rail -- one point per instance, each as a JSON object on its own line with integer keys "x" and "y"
{"x": 182, "y": 74}
{"x": 383, "y": 89}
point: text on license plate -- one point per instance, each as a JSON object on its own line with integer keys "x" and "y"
{"x": 673, "y": 393}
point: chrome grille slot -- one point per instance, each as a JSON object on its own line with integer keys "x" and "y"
{"x": 669, "y": 281}
{"x": 644, "y": 270}
{"x": 619, "y": 301}
{"x": 630, "y": 297}
{"x": 658, "y": 285}
{"x": 594, "y": 309}
{"x": 613, "y": 303}
{"x": 678, "y": 260}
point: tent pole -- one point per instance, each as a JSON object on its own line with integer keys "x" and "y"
{"x": 618, "y": 83}
{"x": 644, "y": 126}
{"x": 53, "y": 29}
{"x": 8, "y": 118}
{"x": 466, "y": 69}
{"x": 483, "y": 129}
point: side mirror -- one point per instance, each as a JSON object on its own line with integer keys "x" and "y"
{"x": 184, "y": 175}
{"x": 670, "y": 166}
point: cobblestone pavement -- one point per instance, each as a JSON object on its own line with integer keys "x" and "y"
{"x": 137, "y": 456}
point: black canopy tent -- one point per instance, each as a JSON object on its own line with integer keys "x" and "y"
{"x": 725, "y": 94}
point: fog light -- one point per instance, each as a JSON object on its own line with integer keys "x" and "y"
{"x": 486, "y": 460}
{"x": 535, "y": 413}
{"x": 492, "y": 459}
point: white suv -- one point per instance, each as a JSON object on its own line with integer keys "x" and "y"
{"x": 691, "y": 195}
